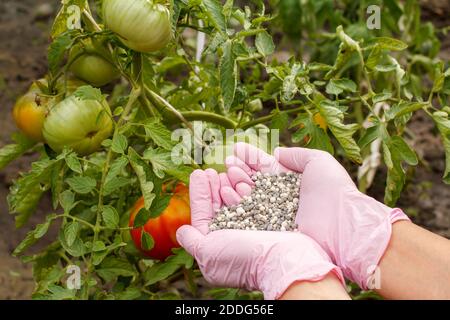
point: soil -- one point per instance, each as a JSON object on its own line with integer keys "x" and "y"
{"x": 24, "y": 39}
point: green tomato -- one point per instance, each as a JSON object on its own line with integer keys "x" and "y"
{"x": 31, "y": 109}
{"x": 140, "y": 24}
{"x": 81, "y": 125}
{"x": 90, "y": 66}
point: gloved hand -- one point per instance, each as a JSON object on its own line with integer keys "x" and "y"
{"x": 254, "y": 260}
{"x": 353, "y": 228}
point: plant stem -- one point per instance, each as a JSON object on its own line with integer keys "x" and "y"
{"x": 269, "y": 117}
{"x": 97, "y": 228}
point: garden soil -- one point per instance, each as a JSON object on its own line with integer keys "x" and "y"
{"x": 24, "y": 39}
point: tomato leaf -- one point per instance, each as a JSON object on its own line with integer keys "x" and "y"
{"x": 215, "y": 15}
{"x": 33, "y": 236}
{"x": 147, "y": 241}
{"x": 71, "y": 230}
{"x": 142, "y": 171}
{"x": 443, "y": 125}
{"x": 11, "y": 152}
{"x": 88, "y": 93}
{"x": 73, "y": 163}
{"x": 119, "y": 143}
{"x": 389, "y": 43}
{"x": 26, "y": 192}
{"x": 81, "y": 184}
{"x": 162, "y": 270}
{"x": 141, "y": 218}
{"x": 403, "y": 108}
{"x": 280, "y": 121}
{"x": 113, "y": 267}
{"x": 264, "y": 43}
{"x": 57, "y": 51}
{"x": 228, "y": 74}
{"x": 110, "y": 217}
{"x": 160, "y": 135}
{"x": 343, "y": 132}
{"x": 159, "y": 205}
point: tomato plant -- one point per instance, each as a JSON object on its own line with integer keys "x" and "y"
{"x": 215, "y": 65}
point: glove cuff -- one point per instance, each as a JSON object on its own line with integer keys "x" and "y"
{"x": 364, "y": 253}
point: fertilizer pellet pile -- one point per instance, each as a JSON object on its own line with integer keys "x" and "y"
{"x": 272, "y": 205}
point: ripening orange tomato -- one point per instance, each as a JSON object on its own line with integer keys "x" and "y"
{"x": 163, "y": 228}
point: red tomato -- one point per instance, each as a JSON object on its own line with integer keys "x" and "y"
{"x": 163, "y": 228}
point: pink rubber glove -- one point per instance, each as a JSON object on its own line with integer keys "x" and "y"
{"x": 254, "y": 260}
{"x": 353, "y": 228}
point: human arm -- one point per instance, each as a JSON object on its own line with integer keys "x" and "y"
{"x": 358, "y": 232}
{"x": 416, "y": 264}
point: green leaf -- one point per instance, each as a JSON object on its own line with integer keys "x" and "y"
{"x": 443, "y": 125}
{"x": 115, "y": 184}
{"x": 379, "y": 97}
{"x": 369, "y": 136}
{"x": 67, "y": 201}
{"x": 76, "y": 249}
{"x": 403, "y": 151}
{"x": 142, "y": 171}
{"x": 374, "y": 57}
{"x": 11, "y": 152}
{"x": 343, "y": 132}
{"x": 264, "y": 43}
{"x": 82, "y": 185}
{"x": 162, "y": 270}
{"x": 116, "y": 167}
{"x": 26, "y": 192}
{"x": 110, "y": 217}
{"x": 141, "y": 218}
{"x": 71, "y": 230}
{"x": 337, "y": 86}
{"x": 215, "y": 15}
{"x": 228, "y": 74}
{"x": 159, "y": 134}
{"x": 60, "y": 293}
{"x": 113, "y": 267}
{"x": 439, "y": 77}
{"x": 403, "y": 108}
{"x": 119, "y": 143}
{"x": 73, "y": 163}
{"x": 33, "y": 236}
{"x": 389, "y": 43}
{"x": 315, "y": 136}
{"x": 290, "y": 88}
{"x": 396, "y": 150}
{"x": 61, "y": 21}
{"x": 159, "y": 205}
{"x": 280, "y": 121}
{"x": 89, "y": 93}
{"x": 56, "y": 183}
{"x": 160, "y": 160}
{"x": 182, "y": 173}
{"x": 147, "y": 241}
{"x": 57, "y": 51}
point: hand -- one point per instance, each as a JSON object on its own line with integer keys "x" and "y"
{"x": 353, "y": 228}
{"x": 254, "y": 260}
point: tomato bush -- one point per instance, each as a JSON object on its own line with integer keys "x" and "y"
{"x": 182, "y": 64}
